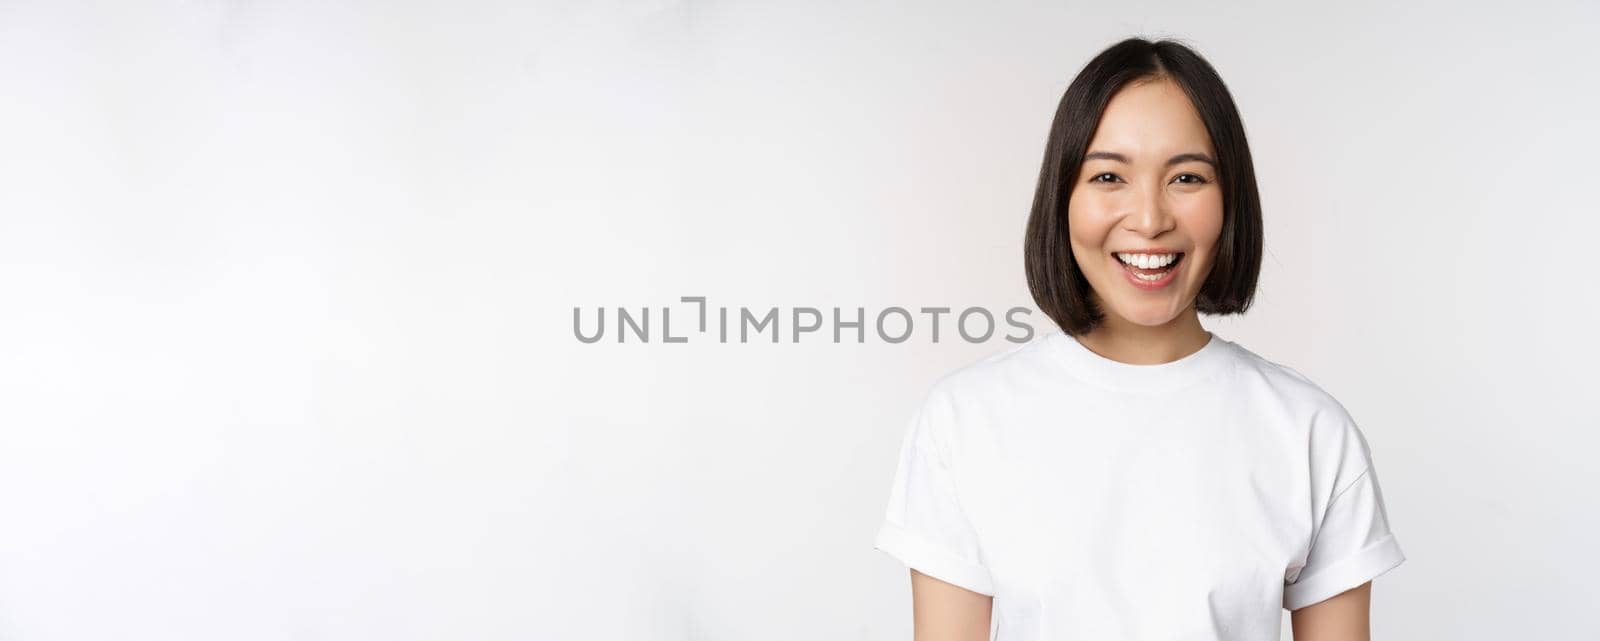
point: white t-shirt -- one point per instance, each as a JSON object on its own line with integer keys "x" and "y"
{"x": 1095, "y": 499}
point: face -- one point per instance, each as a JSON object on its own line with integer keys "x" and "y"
{"x": 1148, "y": 185}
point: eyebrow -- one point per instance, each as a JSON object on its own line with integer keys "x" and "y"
{"x": 1180, "y": 158}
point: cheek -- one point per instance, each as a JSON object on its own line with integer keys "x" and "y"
{"x": 1202, "y": 221}
{"x": 1088, "y": 224}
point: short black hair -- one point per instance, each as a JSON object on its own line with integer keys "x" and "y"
{"x": 1057, "y": 285}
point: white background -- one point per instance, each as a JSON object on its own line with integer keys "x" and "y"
{"x": 286, "y": 347}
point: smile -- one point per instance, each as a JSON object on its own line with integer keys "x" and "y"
{"x": 1150, "y": 279}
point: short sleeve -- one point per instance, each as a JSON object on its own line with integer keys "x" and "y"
{"x": 1352, "y": 542}
{"x": 924, "y": 526}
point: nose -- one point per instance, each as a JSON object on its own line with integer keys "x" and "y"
{"x": 1150, "y": 217}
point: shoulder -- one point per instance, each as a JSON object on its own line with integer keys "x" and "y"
{"x": 1286, "y": 384}
{"x": 996, "y": 376}
{"x": 960, "y": 401}
{"x": 1324, "y": 424}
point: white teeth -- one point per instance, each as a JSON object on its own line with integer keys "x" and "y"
{"x": 1148, "y": 261}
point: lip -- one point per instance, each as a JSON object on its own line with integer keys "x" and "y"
{"x": 1153, "y": 285}
{"x": 1148, "y": 250}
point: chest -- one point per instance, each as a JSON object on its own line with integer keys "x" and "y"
{"x": 1177, "y": 498}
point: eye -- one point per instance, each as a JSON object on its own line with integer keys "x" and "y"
{"x": 1097, "y": 178}
{"x": 1198, "y": 179}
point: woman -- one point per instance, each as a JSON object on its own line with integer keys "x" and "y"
{"x": 1135, "y": 476}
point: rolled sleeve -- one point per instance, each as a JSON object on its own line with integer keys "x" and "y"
{"x": 924, "y": 526}
{"x": 1352, "y": 545}
{"x": 932, "y": 559}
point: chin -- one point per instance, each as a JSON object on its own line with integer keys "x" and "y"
{"x": 1148, "y": 317}
{"x": 1149, "y": 321}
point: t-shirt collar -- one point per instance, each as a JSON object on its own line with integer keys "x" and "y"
{"x": 1209, "y": 362}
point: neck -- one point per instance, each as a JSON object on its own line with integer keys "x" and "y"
{"x": 1135, "y": 344}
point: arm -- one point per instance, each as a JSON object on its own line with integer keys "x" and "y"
{"x": 1343, "y": 617}
{"x": 943, "y": 612}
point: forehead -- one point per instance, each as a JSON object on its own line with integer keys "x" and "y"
{"x": 1151, "y": 118}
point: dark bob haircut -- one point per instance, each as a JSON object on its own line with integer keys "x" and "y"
{"x": 1057, "y": 285}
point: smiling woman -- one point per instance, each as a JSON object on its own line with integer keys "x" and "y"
{"x": 1160, "y": 182}
{"x": 1153, "y": 149}
{"x": 1134, "y": 475}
